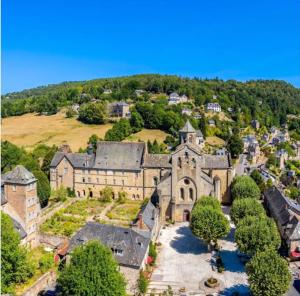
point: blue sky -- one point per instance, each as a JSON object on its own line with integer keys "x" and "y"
{"x": 53, "y": 41}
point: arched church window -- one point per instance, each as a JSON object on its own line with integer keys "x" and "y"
{"x": 155, "y": 181}
{"x": 179, "y": 162}
{"x": 186, "y": 154}
{"x": 182, "y": 193}
{"x": 191, "y": 193}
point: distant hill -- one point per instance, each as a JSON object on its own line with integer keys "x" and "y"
{"x": 269, "y": 101}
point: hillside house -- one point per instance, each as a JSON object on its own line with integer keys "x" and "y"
{"x": 214, "y": 107}
{"x": 175, "y": 98}
{"x": 119, "y": 109}
{"x": 186, "y": 111}
{"x": 107, "y": 91}
{"x": 255, "y": 124}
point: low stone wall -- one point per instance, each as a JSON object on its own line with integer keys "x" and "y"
{"x": 131, "y": 275}
{"x": 51, "y": 240}
{"x": 45, "y": 281}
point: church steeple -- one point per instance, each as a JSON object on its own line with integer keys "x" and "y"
{"x": 187, "y": 134}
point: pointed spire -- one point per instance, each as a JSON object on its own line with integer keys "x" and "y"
{"x": 188, "y": 128}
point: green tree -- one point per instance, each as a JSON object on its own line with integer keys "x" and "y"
{"x": 242, "y": 208}
{"x": 92, "y": 271}
{"x": 47, "y": 160}
{"x": 235, "y": 146}
{"x": 143, "y": 283}
{"x": 136, "y": 121}
{"x": 119, "y": 131}
{"x": 244, "y": 187}
{"x": 59, "y": 194}
{"x": 254, "y": 233}
{"x": 93, "y": 139}
{"x": 256, "y": 176}
{"x": 211, "y": 201}
{"x": 107, "y": 194}
{"x": 10, "y": 156}
{"x": 268, "y": 274}
{"x": 93, "y": 113}
{"x": 15, "y": 266}
{"x": 152, "y": 251}
{"x": 209, "y": 224}
{"x": 43, "y": 187}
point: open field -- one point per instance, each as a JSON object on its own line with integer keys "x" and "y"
{"x": 31, "y": 129}
{"x": 147, "y": 134}
{"x": 215, "y": 141}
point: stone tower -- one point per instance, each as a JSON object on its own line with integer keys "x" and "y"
{"x": 188, "y": 134}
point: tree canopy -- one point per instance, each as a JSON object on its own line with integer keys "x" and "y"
{"x": 254, "y": 233}
{"x": 244, "y": 187}
{"x": 15, "y": 266}
{"x": 268, "y": 274}
{"x": 93, "y": 113}
{"x": 242, "y": 208}
{"x": 92, "y": 271}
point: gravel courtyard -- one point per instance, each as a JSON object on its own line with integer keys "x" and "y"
{"x": 184, "y": 261}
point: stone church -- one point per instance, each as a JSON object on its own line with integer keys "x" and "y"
{"x": 175, "y": 181}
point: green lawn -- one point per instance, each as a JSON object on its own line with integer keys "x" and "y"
{"x": 125, "y": 212}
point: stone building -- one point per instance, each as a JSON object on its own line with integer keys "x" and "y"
{"x": 174, "y": 180}
{"x": 119, "y": 109}
{"x": 20, "y": 201}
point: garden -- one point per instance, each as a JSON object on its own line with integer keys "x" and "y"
{"x": 125, "y": 212}
{"x": 67, "y": 221}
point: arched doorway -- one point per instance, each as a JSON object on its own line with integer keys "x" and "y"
{"x": 186, "y": 216}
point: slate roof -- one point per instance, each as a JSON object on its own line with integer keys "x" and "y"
{"x": 119, "y": 155}
{"x": 199, "y": 133}
{"x": 157, "y": 161}
{"x": 19, "y": 175}
{"x": 283, "y": 210}
{"x": 188, "y": 128}
{"x": 216, "y": 161}
{"x": 77, "y": 160}
{"x": 18, "y": 227}
{"x": 149, "y": 212}
{"x": 133, "y": 244}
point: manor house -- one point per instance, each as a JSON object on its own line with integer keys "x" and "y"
{"x": 175, "y": 181}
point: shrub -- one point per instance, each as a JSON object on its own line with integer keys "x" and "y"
{"x": 59, "y": 195}
{"x": 46, "y": 262}
{"x": 143, "y": 283}
{"x": 152, "y": 252}
{"x": 107, "y": 194}
{"x": 71, "y": 192}
{"x": 245, "y": 207}
{"x": 245, "y": 186}
{"x": 122, "y": 197}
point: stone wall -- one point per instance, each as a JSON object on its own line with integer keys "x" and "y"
{"x": 51, "y": 240}
{"x": 45, "y": 281}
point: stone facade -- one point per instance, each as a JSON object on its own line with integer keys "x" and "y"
{"x": 176, "y": 180}
{"x": 21, "y": 203}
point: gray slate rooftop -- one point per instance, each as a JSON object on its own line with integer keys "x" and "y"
{"x": 117, "y": 155}
{"x": 133, "y": 245}
{"x": 188, "y": 128}
{"x": 19, "y": 175}
{"x": 78, "y": 160}
{"x": 149, "y": 212}
{"x": 157, "y": 161}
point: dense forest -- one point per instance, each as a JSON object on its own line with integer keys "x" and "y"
{"x": 269, "y": 101}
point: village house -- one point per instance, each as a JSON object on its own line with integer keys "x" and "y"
{"x": 253, "y": 152}
{"x": 107, "y": 91}
{"x": 119, "y": 109}
{"x": 176, "y": 180}
{"x": 139, "y": 92}
{"x": 286, "y": 214}
{"x": 249, "y": 140}
{"x": 129, "y": 247}
{"x": 282, "y": 156}
{"x": 186, "y": 111}
{"x": 19, "y": 200}
{"x": 214, "y": 107}
{"x": 175, "y": 98}
{"x": 211, "y": 123}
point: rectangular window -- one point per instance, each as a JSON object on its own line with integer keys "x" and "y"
{"x": 83, "y": 180}
{"x": 65, "y": 171}
{"x": 123, "y": 182}
{"x": 14, "y": 188}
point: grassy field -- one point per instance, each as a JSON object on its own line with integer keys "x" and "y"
{"x": 147, "y": 134}
{"x": 215, "y": 141}
{"x": 31, "y": 129}
{"x": 125, "y": 212}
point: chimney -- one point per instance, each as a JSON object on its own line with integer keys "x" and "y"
{"x": 140, "y": 221}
